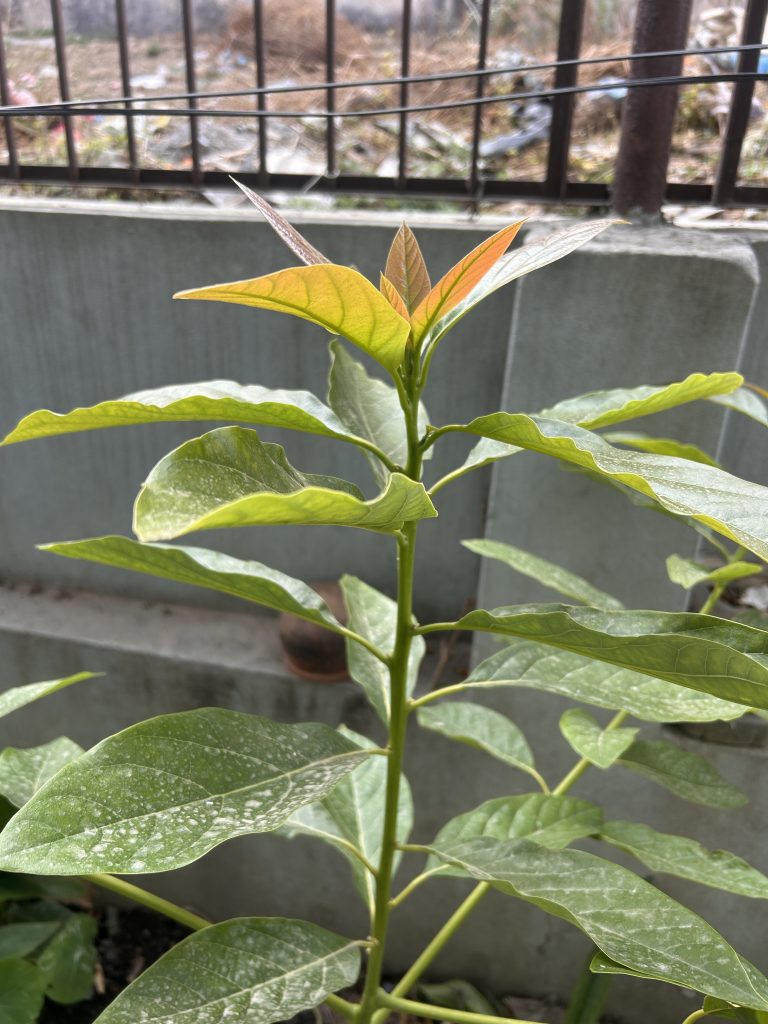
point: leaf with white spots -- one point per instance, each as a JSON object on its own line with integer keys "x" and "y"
{"x": 164, "y": 792}
{"x": 18, "y": 696}
{"x": 601, "y": 747}
{"x": 23, "y": 772}
{"x": 682, "y": 772}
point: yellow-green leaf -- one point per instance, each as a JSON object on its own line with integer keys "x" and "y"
{"x": 393, "y": 297}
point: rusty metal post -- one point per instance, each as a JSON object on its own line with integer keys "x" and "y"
{"x": 648, "y": 118}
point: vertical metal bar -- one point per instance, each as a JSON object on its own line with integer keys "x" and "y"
{"x": 189, "y": 60}
{"x": 61, "y": 62}
{"x": 330, "y": 73}
{"x": 261, "y": 80}
{"x": 5, "y": 100}
{"x": 741, "y": 104}
{"x": 405, "y": 70}
{"x": 125, "y": 77}
{"x": 477, "y": 123}
{"x": 568, "y": 48}
{"x": 648, "y": 118}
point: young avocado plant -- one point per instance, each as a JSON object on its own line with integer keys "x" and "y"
{"x": 163, "y": 793}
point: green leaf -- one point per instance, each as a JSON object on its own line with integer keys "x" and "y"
{"x": 23, "y": 772}
{"x": 406, "y": 269}
{"x": 164, "y": 792}
{"x": 604, "y": 408}
{"x": 660, "y": 446}
{"x": 457, "y": 994}
{"x": 629, "y": 920}
{"x": 745, "y": 401}
{"x": 208, "y": 400}
{"x": 19, "y": 940}
{"x": 374, "y": 616}
{"x": 18, "y": 888}
{"x": 250, "y": 581}
{"x": 22, "y": 990}
{"x": 735, "y": 508}
{"x": 353, "y": 814}
{"x": 547, "y": 573}
{"x": 371, "y": 409}
{"x": 18, "y": 696}
{"x": 601, "y": 747}
{"x": 682, "y": 772}
{"x": 717, "y": 656}
{"x": 687, "y": 573}
{"x": 254, "y": 970}
{"x": 482, "y": 728}
{"x": 731, "y": 1012}
{"x": 678, "y": 855}
{"x": 529, "y": 665}
{"x": 228, "y": 477}
{"x": 337, "y": 298}
{"x": 69, "y": 960}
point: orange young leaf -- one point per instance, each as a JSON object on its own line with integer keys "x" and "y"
{"x": 393, "y": 297}
{"x": 337, "y": 298}
{"x": 459, "y": 281}
{"x": 406, "y": 268}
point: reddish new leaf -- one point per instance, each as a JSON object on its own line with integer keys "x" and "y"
{"x": 406, "y": 268}
{"x": 295, "y": 241}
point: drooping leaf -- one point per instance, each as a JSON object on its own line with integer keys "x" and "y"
{"x": 687, "y": 573}
{"x": 164, "y": 792}
{"x": 482, "y": 728}
{"x": 208, "y": 400}
{"x": 69, "y": 960}
{"x": 745, "y": 401}
{"x": 682, "y": 772}
{"x": 717, "y": 656}
{"x": 251, "y": 581}
{"x": 406, "y": 269}
{"x": 353, "y": 812}
{"x": 371, "y": 409}
{"x": 736, "y": 508}
{"x": 374, "y": 616}
{"x": 459, "y": 282}
{"x": 393, "y": 297}
{"x": 295, "y": 241}
{"x": 678, "y": 855}
{"x": 526, "y": 664}
{"x": 660, "y": 446}
{"x": 601, "y": 747}
{"x": 253, "y": 970}
{"x": 19, "y": 940}
{"x": 228, "y": 477}
{"x": 22, "y": 991}
{"x": 23, "y": 772}
{"x": 604, "y": 408}
{"x": 547, "y": 573}
{"x": 18, "y": 696}
{"x": 337, "y": 298}
{"x": 629, "y": 920}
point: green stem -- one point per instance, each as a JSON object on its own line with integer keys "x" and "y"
{"x": 406, "y": 891}
{"x": 445, "y": 691}
{"x": 350, "y": 634}
{"x": 415, "y": 1009}
{"x": 581, "y": 766}
{"x": 148, "y": 899}
{"x": 697, "y": 1015}
{"x": 342, "y": 1006}
{"x": 714, "y": 596}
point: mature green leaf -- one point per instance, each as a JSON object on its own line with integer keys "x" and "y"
{"x": 482, "y": 728}
{"x": 164, "y": 792}
{"x": 687, "y": 573}
{"x": 601, "y": 747}
{"x": 69, "y": 960}
{"x": 208, "y": 400}
{"x": 23, "y": 939}
{"x": 485, "y": 452}
{"x": 604, "y": 408}
{"x": 371, "y": 409}
{"x": 526, "y": 664}
{"x": 724, "y": 1009}
{"x": 22, "y": 990}
{"x": 406, "y": 269}
{"x": 18, "y": 696}
{"x": 374, "y": 616}
{"x": 660, "y": 446}
{"x": 253, "y": 970}
{"x": 23, "y": 772}
{"x": 736, "y": 508}
{"x": 682, "y": 772}
{"x": 353, "y": 813}
{"x": 337, "y": 298}
{"x": 19, "y": 888}
{"x": 251, "y": 581}
{"x": 629, "y": 920}
{"x": 717, "y": 656}
{"x": 547, "y": 573}
{"x": 678, "y": 855}
{"x": 230, "y": 478}
{"x": 295, "y": 241}
{"x": 746, "y": 401}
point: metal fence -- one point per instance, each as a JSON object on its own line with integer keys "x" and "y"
{"x": 657, "y": 69}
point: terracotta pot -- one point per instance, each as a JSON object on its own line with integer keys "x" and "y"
{"x": 311, "y": 651}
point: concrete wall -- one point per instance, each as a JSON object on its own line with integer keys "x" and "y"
{"x": 85, "y": 314}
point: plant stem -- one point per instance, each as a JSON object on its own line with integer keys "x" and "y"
{"x": 148, "y": 899}
{"x": 342, "y": 1006}
{"x": 581, "y": 766}
{"x": 697, "y": 1015}
{"x": 714, "y": 596}
{"x": 406, "y": 891}
{"x": 415, "y": 1009}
